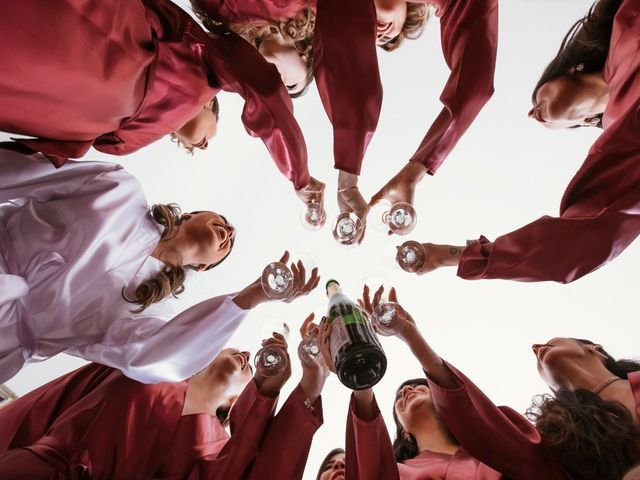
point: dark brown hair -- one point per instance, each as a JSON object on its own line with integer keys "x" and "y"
{"x": 405, "y": 445}
{"x": 417, "y": 16}
{"x": 298, "y": 29}
{"x": 327, "y": 459}
{"x": 591, "y": 438}
{"x": 170, "y": 280}
{"x": 585, "y": 44}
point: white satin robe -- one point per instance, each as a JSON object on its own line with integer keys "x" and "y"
{"x": 70, "y": 240}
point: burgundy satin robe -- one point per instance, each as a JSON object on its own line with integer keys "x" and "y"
{"x": 121, "y": 74}
{"x": 498, "y": 436}
{"x": 600, "y": 210}
{"x": 97, "y": 423}
{"x": 345, "y": 64}
{"x": 287, "y": 441}
{"x": 369, "y": 455}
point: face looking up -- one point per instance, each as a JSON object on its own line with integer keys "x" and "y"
{"x": 204, "y": 239}
{"x": 391, "y": 15}
{"x": 291, "y": 65}
{"x": 568, "y": 101}
{"x": 197, "y": 132}
{"x": 334, "y": 468}
{"x": 412, "y": 404}
{"x": 233, "y": 369}
{"x": 559, "y": 357}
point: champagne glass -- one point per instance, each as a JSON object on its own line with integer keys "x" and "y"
{"x": 401, "y": 218}
{"x": 347, "y": 228}
{"x": 277, "y": 280}
{"x": 271, "y": 360}
{"x": 308, "y": 350}
{"x": 411, "y": 256}
{"x": 313, "y": 216}
{"x": 387, "y": 318}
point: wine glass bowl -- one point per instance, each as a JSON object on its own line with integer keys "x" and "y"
{"x": 270, "y": 361}
{"x": 347, "y": 228}
{"x": 401, "y": 218}
{"x": 411, "y": 256}
{"x": 308, "y": 350}
{"x": 277, "y": 280}
{"x": 387, "y": 318}
{"x": 313, "y": 216}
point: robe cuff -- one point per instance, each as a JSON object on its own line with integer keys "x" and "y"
{"x": 474, "y": 261}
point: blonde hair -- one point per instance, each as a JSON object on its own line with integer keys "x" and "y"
{"x": 414, "y": 24}
{"x": 298, "y": 29}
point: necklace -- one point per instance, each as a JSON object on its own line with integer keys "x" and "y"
{"x": 605, "y": 384}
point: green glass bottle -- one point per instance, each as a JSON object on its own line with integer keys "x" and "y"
{"x": 357, "y": 353}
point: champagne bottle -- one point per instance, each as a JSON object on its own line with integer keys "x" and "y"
{"x": 357, "y": 353}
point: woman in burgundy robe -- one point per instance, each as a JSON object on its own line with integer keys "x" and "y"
{"x": 424, "y": 448}
{"x": 96, "y": 422}
{"x": 119, "y": 75}
{"x": 349, "y": 84}
{"x": 599, "y": 209}
{"x": 588, "y": 429}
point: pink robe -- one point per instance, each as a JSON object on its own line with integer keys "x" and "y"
{"x": 498, "y": 436}
{"x": 121, "y": 74}
{"x": 369, "y": 455}
{"x": 98, "y": 423}
{"x": 286, "y": 444}
{"x": 599, "y": 210}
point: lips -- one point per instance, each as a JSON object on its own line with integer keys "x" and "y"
{"x": 241, "y": 359}
{"x": 201, "y": 143}
{"x": 337, "y": 475}
{"x": 537, "y": 114}
{"x": 383, "y": 27}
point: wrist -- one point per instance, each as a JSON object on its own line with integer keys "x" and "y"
{"x": 413, "y": 172}
{"x": 451, "y": 255}
{"x": 311, "y": 386}
{"x": 250, "y": 297}
{"x": 347, "y": 180}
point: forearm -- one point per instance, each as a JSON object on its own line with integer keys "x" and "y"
{"x": 364, "y": 405}
{"x": 429, "y": 360}
{"x": 312, "y": 384}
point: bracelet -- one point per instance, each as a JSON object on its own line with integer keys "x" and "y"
{"x": 341, "y": 190}
{"x": 309, "y": 404}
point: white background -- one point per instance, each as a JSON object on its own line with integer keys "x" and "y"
{"x": 505, "y": 172}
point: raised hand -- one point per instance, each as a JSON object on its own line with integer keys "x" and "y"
{"x": 314, "y": 370}
{"x": 313, "y": 193}
{"x": 401, "y": 188}
{"x": 351, "y": 200}
{"x": 271, "y": 386}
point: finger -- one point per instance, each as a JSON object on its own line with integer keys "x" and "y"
{"x": 285, "y": 257}
{"x": 275, "y": 342}
{"x": 302, "y": 271}
{"x": 389, "y": 233}
{"x": 296, "y": 281}
{"x": 376, "y": 198}
{"x": 312, "y": 283}
{"x": 306, "y": 324}
{"x": 377, "y": 296}
{"x": 393, "y": 296}
{"x": 366, "y": 300}
{"x": 361, "y": 304}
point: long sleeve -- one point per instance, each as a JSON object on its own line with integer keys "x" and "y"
{"x": 150, "y": 350}
{"x": 268, "y": 110}
{"x": 497, "y": 436}
{"x": 599, "y": 218}
{"x": 369, "y": 453}
{"x": 239, "y": 11}
{"x": 348, "y": 78}
{"x": 249, "y": 418}
{"x": 285, "y": 448}
{"x": 469, "y": 35}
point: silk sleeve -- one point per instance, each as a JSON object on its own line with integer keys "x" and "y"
{"x": 151, "y": 350}
{"x": 369, "y": 452}
{"x": 469, "y": 36}
{"x": 239, "y": 11}
{"x": 498, "y": 436}
{"x": 346, "y": 72}
{"x": 268, "y": 110}
{"x": 599, "y": 218}
{"x": 285, "y": 448}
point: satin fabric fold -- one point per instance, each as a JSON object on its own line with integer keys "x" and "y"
{"x": 121, "y": 74}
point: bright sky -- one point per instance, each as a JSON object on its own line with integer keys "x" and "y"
{"x": 506, "y": 172}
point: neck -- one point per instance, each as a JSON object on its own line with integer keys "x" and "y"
{"x": 586, "y": 376}
{"x": 172, "y": 250}
{"x": 598, "y": 90}
{"x": 205, "y": 393}
{"x": 432, "y": 435}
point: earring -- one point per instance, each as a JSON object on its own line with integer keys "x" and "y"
{"x": 579, "y": 67}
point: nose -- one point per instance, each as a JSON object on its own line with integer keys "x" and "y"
{"x": 339, "y": 464}
{"x": 536, "y": 347}
{"x": 246, "y": 355}
{"x": 204, "y": 145}
{"x": 530, "y": 114}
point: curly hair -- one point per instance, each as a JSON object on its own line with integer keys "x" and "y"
{"x": 405, "y": 445}
{"x": 298, "y": 29}
{"x": 586, "y": 44}
{"x": 591, "y": 438}
{"x": 417, "y": 16}
{"x": 326, "y": 460}
{"x": 169, "y": 281}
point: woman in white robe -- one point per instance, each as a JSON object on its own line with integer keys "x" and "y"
{"x": 74, "y": 242}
